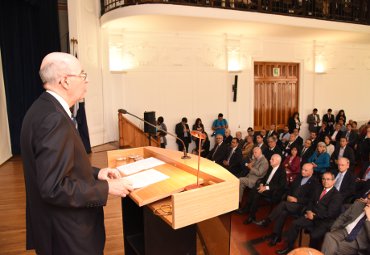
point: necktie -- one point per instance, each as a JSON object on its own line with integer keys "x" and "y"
{"x": 367, "y": 172}
{"x": 231, "y": 153}
{"x": 74, "y": 120}
{"x": 304, "y": 150}
{"x": 213, "y": 155}
{"x": 352, "y": 235}
{"x": 322, "y": 194}
{"x": 347, "y": 135}
{"x": 338, "y": 181}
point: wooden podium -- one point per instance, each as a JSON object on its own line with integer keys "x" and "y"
{"x": 162, "y": 218}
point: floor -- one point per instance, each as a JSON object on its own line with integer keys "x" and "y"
{"x": 245, "y": 239}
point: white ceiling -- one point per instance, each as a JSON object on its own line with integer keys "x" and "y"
{"x": 177, "y": 18}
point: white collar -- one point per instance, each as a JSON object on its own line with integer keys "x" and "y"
{"x": 61, "y": 101}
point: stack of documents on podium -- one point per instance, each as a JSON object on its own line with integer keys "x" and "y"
{"x": 141, "y": 173}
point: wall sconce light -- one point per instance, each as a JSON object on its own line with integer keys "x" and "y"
{"x": 320, "y": 64}
{"x": 116, "y": 64}
{"x": 233, "y": 54}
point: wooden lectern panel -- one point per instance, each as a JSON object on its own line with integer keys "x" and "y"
{"x": 219, "y": 193}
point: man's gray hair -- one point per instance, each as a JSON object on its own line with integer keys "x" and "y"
{"x": 52, "y": 71}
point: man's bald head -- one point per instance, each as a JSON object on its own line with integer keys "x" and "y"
{"x": 55, "y": 65}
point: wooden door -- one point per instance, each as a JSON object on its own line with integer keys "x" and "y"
{"x": 275, "y": 93}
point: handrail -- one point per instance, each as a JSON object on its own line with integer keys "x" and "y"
{"x": 354, "y": 11}
{"x": 131, "y": 136}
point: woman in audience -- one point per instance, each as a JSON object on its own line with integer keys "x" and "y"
{"x": 292, "y": 164}
{"x": 329, "y": 147}
{"x": 341, "y": 115}
{"x": 320, "y": 159}
{"x": 198, "y": 125}
{"x": 205, "y": 144}
{"x": 247, "y": 147}
{"x": 294, "y": 122}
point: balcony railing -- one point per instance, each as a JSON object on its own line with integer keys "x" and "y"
{"x": 352, "y": 11}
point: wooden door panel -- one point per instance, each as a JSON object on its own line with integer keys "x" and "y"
{"x": 276, "y": 97}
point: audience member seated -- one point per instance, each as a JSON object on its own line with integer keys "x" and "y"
{"x": 314, "y": 139}
{"x": 345, "y": 180}
{"x": 198, "y": 125}
{"x": 292, "y": 165}
{"x": 219, "y": 151}
{"x": 183, "y": 132}
{"x": 228, "y": 137}
{"x": 319, "y": 216}
{"x": 272, "y": 148}
{"x": 284, "y": 136}
{"x": 329, "y": 147}
{"x": 336, "y": 135}
{"x": 272, "y": 130}
{"x": 271, "y": 186}
{"x": 205, "y": 144}
{"x": 351, "y": 136}
{"x": 329, "y": 119}
{"x": 233, "y": 161}
{"x": 364, "y": 146}
{"x": 313, "y": 121}
{"x": 363, "y": 181}
{"x": 257, "y": 169}
{"x": 252, "y": 134}
{"x": 278, "y": 142}
{"x": 247, "y": 150}
{"x": 322, "y": 132}
{"x": 350, "y": 233}
{"x": 307, "y": 151}
{"x": 340, "y": 115}
{"x": 300, "y": 195}
{"x": 298, "y": 137}
{"x": 260, "y": 143}
{"x": 263, "y": 133}
{"x": 294, "y": 122}
{"x": 293, "y": 142}
{"x": 343, "y": 151}
{"x": 220, "y": 125}
{"x": 320, "y": 159}
{"x": 238, "y": 134}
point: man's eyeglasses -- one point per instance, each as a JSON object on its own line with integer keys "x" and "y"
{"x": 82, "y": 75}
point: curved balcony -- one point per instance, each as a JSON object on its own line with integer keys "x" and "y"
{"x": 350, "y": 11}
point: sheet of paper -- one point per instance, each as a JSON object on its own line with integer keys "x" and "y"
{"x": 140, "y": 165}
{"x": 145, "y": 178}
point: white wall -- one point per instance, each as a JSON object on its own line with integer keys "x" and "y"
{"x": 181, "y": 74}
{"x": 5, "y": 147}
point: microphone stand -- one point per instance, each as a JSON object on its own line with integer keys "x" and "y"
{"x": 122, "y": 111}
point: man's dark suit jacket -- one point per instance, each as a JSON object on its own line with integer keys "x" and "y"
{"x": 348, "y": 187}
{"x": 337, "y": 138}
{"x": 235, "y": 161}
{"x": 287, "y": 148}
{"x": 276, "y": 185}
{"x": 304, "y": 193}
{"x": 351, "y": 214}
{"x": 348, "y": 153}
{"x": 220, "y": 154}
{"x": 306, "y": 155}
{"x": 64, "y": 213}
{"x": 352, "y": 139}
{"x": 327, "y": 208}
{"x": 268, "y": 152}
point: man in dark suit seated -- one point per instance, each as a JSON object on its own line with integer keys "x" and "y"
{"x": 272, "y": 148}
{"x": 234, "y": 158}
{"x": 343, "y": 150}
{"x": 65, "y": 194}
{"x": 345, "y": 180}
{"x": 319, "y": 216}
{"x": 306, "y": 151}
{"x": 351, "y": 136}
{"x": 298, "y": 137}
{"x": 271, "y": 186}
{"x": 322, "y": 132}
{"x": 292, "y": 142}
{"x": 219, "y": 151}
{"x": 300, "y": 194}
{"x": 363, "y": 181}
{"x": 350, "y": 233}
{"x": 336, "y": 134}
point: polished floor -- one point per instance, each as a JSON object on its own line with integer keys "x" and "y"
{"x": 245, "y": 239}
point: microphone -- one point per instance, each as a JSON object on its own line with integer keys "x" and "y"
{"x": 123, "y": 111}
